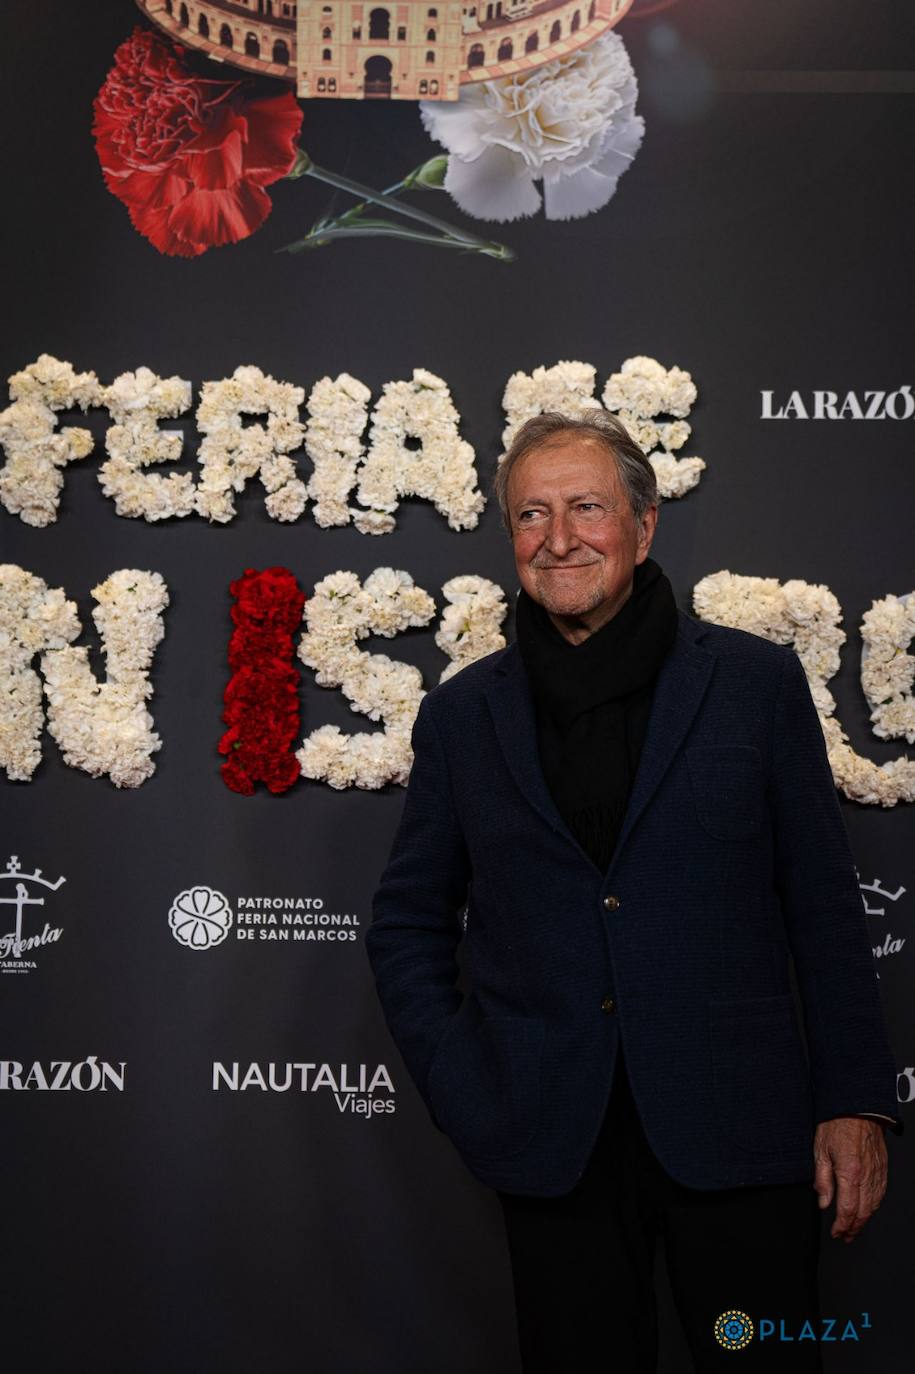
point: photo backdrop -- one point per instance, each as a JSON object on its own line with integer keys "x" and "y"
{"x": 241, "y": 1175}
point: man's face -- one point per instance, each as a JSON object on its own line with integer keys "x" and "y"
{"x": 575, "y": 539}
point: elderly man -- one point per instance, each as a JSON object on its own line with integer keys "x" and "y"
{"x": 628, "y": 816}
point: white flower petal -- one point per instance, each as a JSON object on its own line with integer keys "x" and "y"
{"x": 570, "y": 116}
{"x": 620, "y": 149}
{"x": 495, "y": 186}
{"x": 455, "y": 123}
{"x": 570, "y": 197}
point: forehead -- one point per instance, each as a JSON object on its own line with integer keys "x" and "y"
{"x": 568, "y": 462}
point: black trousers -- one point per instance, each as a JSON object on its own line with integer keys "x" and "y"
{"x": 583, "y": 1263}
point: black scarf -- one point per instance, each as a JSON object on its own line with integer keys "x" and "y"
{"x": 592, "y": 701}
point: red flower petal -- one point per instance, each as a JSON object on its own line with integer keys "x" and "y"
{"x": 215, "y": 217}
{"x": 189, "y": 155}
{"x": 260, "y": 701}
{"x": 274, "y": 125}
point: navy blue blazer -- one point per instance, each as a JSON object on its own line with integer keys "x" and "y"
{"x": 732, "y": 851}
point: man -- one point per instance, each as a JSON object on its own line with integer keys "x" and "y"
{"x": 635, "y": 811}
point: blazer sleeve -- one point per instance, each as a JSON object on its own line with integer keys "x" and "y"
{"x": 412, "y": 940}
{"x": 852, "y": 1066}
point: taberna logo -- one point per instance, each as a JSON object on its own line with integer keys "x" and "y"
{"x": 831, "y": 405}
{"x": 23, "y": 898}
{"x": 876, "y": 897}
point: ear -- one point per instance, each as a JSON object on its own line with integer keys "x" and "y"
{"x": 647, "y": 527}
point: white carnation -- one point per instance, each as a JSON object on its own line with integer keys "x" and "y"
{"x": 101, "y": 727}
{"x": 887, "y": 668}
{"x": 570, "y": 123}
{"x": 807, "y": 616}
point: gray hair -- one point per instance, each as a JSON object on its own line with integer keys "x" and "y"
{"x": 635, "y": 471}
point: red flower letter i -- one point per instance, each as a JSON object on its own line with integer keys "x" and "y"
{"x": 261, "y": 701}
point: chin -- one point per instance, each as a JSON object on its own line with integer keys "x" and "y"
{"x": 569, "y": 594}
{"x": 569, "y": 606}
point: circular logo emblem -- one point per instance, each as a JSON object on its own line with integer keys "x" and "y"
{"x": 733, "y": 1330}
{"x": 200, "y": 917}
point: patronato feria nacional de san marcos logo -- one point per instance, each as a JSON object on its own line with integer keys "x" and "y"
{"x": 202, "y": 917}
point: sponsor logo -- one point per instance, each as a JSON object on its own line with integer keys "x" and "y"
{"x": 905, "y": 1084}
{"x": 735, "y": 1330}
{"x": 354, "y": 1088}
{"x": 823, "y": 1329}
{"x": 829, "y": 405}
{"x": 875, "y": 897}
{"x": 202, "y": 917}
{"x": 63, "y": 1075}
{"x": 19, "y": 893}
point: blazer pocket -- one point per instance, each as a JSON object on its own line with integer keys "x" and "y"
{"x": 726, "y": 783}
{"x": 761, "y": 1080}
{"x": 484, "y": 1082}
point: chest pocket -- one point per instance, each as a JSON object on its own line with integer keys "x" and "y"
{"x": 726, "y": 782}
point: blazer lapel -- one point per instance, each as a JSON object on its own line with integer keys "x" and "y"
{"x": 512, "y": 710}
{"x": 681, "y": 685}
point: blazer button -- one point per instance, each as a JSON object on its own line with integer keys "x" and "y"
{"x": 611, "y": 903}
{"x": 608, "y": 1004}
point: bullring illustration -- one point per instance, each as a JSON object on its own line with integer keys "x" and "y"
{"x": 410, "y": 50}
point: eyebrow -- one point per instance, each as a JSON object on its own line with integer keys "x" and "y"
{"x": 541, "y": 501}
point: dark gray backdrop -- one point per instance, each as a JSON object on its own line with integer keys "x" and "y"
{"x": 762, "y": 239}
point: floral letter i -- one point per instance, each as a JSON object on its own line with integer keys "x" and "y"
{"x": 261, "y": 701}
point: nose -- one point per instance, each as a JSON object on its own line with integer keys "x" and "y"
{"x": 560, "y": 534}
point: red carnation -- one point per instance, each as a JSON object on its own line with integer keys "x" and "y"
{"x": 189, "y": 156}
{"x": 261, "y": 698}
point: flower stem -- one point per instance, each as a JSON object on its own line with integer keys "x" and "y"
{"x": 304, "y": 166}
{"x": 427, "y": 176}
{"x": 326, "y": 233}
{"x": 389, "y": 191}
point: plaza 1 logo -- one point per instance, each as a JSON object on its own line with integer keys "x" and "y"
{"x": 14, "y": 940}
{"x": 735, "y": 1330}
{"x": 202, "y": 917}
{"x": 875, "y": 897}
{"x": 353, "y": 1088}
